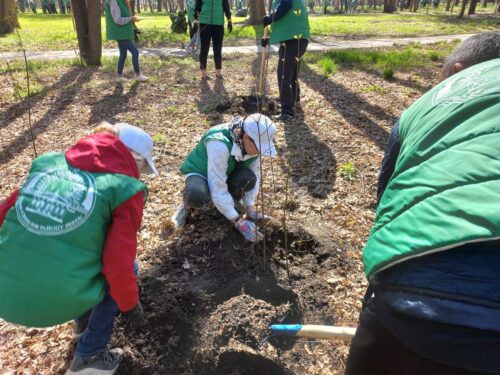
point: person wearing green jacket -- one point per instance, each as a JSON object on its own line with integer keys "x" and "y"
{"x": 209, "y": 17}
{"x": 119, "y": 27}
{"x": 433, "y": 256}
{"x": 290, "y": 29}
{"x": 224, "y": 168}
{"x": 68, "y": 241}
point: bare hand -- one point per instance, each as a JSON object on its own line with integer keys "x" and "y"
{"x": 136, "y": 19}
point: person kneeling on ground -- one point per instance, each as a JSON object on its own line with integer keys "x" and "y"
{"x": 225, "y": 168}
{"x": 433, "y": 256}
{"x": 68, "y": 241}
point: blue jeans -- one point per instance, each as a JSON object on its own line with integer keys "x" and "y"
{"x": 124, "y": 46}
{"x": 100, "y": 325}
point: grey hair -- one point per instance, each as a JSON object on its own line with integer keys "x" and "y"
{"x": 474, "y": 50}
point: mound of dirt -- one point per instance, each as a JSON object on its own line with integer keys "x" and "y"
{"x": 240, "y": 322}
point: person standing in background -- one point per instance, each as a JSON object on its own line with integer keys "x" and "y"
{"x": 209, "y": 17}
{"x": 119, "y": 27}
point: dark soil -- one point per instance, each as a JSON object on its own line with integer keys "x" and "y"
{"x": 208, "y": 295}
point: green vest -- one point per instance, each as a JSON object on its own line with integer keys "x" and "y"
{"x": 190, "y": 5}
{"x": 293, "y": 25}
{"x": 197, "y": 160}
{"x": 51, "y": 242}
{"x": 118, "y": 32}
{"x": 212, "y": 12}
{"x": 445, "y": 189}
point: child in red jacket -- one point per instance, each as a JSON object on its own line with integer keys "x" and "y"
{"x": 111, "y": 159}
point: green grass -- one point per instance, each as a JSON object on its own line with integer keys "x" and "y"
{"x": 328, "y": 66}
{"x": 387, "y": 61}
{"x": 56, "y": 32}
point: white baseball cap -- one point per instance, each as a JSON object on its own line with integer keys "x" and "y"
{"x": 261, "y": 129}
{"x": 138, "y": 141}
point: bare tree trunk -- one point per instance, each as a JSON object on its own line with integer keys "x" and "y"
{"x": 389, "y": 6}
{"x": 472, "y": 7}
{"x": 8, "y": 16}
{"x": 448, "y": 4}
{"x": 87, "y": 15}
{"x": 462, "y": 10}
{"x": 257, "y": 11}
{"x": 159, "y": 6}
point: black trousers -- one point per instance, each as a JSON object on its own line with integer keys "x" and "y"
{"x": 214, "y": 33}
{"x": 375, "y": 351}
{"x": 290, "y": 53}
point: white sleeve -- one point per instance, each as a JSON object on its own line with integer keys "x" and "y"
{"x": 251, "y": 196}
{"x": 218, "y": 156}
{"x": 116, "y": 13}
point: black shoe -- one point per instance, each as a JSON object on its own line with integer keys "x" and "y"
{"x": 219, "y": 77}
{"x": 283, "y": 117}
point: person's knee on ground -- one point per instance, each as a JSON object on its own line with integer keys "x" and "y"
{"x": 196, "y": 193}
{"x": 241, "y": 181}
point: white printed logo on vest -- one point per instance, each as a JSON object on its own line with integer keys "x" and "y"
{"x": 465, "y": 88}
{"x": 56, "y": 201}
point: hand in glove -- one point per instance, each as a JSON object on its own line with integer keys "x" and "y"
{"x": 230, "y": 26}
{"x": 267, "y": 20}
{"x": 264, "y": 42}
{"x": 254, "y": 215}
{"x": 136, "y": 315}
{"x": 248, "y": 229}
{"x": 194, "y": 28}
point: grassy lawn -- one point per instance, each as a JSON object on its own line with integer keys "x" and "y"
{"x": 56, "y": 32}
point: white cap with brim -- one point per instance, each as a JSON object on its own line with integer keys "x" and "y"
{"x": 138, "y": 141}
{"x": 261, "y": 129}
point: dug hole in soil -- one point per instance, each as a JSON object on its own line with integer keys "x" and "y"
{"x": 209, "y": 302}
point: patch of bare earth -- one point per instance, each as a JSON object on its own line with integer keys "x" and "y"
{"x": 208, "y": 296}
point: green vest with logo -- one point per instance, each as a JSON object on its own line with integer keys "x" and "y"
{"x": 212, "y": 12}
{"x": 197, "y": 160}
{"x": 293, "y": 25}
{"x": 51, "y": 242}
{"x": 118, "y": 32}
{"x": 445, "y": 189}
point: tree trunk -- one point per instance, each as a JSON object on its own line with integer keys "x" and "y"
{"x": 462, "y": 11}
{"x": 8, "y": 16}
{"x": 448, "y": 5}
{"x": 87, "y": 15}
{"x": 159, "y": 6}
{"x": 389, "y": 6}
{"x": 257, "y": 11}
{"x": 472, "y": 7}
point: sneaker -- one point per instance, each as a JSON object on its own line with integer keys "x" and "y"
{"x": 219, "y": 77}
{"x": 283, "y": 117}
{"x": 121, "y": 79}
{"x": 104, "y": 363}
{"x": 142, "y": 78}
{"x": 180, "y": 217}
{"x": 206, "y": 78}
{"x": 79, "y": 327}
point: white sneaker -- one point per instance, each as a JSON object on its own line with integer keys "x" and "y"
{"x": 121, "y": 78}
{"x": 104, "y": 363}
{"x": 142, "y": 78}
{"x": 180, "y": 216}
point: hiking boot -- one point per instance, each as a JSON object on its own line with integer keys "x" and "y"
{"x": 141, "y": 78}
{"x": 104, "y": 363}
{"x": 79, "y": 327}
{"x": 180, "y": 216}
{"x": 284, "y": 117}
